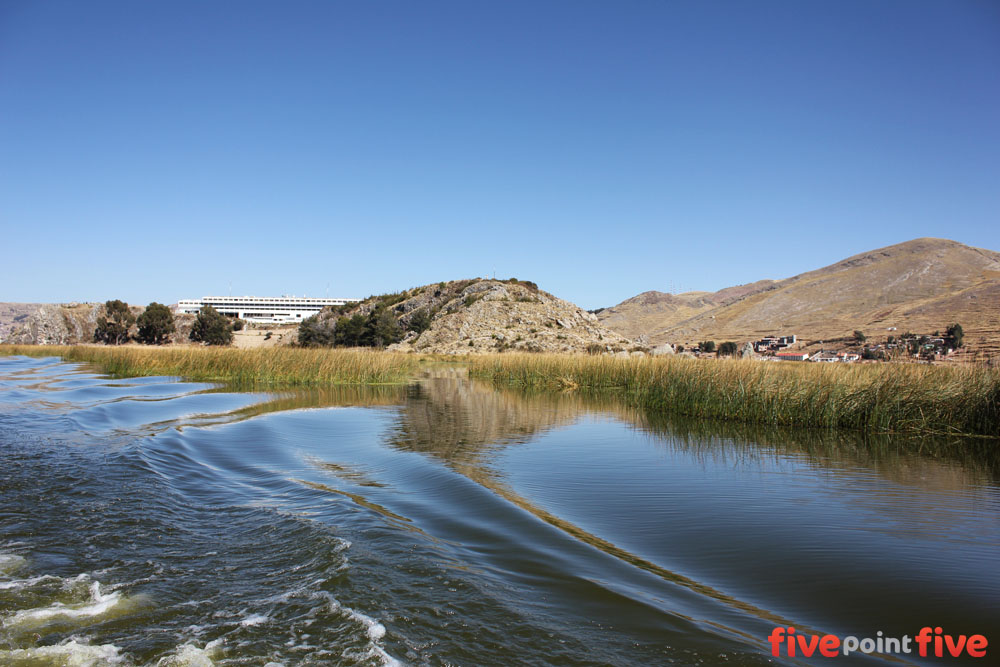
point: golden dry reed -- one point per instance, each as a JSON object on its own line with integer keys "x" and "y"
{"x": 872, "y": 397}
{"x": 276, "y": 366}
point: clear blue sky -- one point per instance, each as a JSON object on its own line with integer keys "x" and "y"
{"x": 157, "y": 151}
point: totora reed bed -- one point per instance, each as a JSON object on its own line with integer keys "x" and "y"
{"x": 904, "y": 398}
{"x": 284, "y": 366}
{"x": 908, "y": 398}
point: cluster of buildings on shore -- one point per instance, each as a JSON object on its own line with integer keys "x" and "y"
{"x": 927, "y": 347}
{"x": 825, "y": 356}
{"x": 773, "y": 344}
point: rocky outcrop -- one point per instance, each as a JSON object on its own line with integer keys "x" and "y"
{"x": 13, "y": 317}
{"x": 51, "y": 324}
{"x": 492, "y": 316}
{"x": 480, "y": 316}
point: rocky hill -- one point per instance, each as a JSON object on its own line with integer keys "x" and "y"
{"x": 479, "y": 315}
{"x": 65, "y": 324}
{"x": 47, "y": 323}
{"x": 921, "y": 285}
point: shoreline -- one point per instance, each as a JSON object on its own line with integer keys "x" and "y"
{"x": 874, "y": 398}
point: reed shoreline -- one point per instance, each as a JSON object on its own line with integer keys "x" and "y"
{"x": 259, "y": 367}
{"x": 877, "y": 398}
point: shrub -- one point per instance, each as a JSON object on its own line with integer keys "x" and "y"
{"x": 727, "y": 349}
{"x": 350, "y": 331}
{"x": 114, "y": 324}
{"x": 420, "y": 321}
{"x": 384, "y": 327}
{"x": 388, "y": 300}
{"x": 156, "y": 324}
{"x": 314, "y": 332}
{"x": 956, "y": 335}
{"x": 211, "y": 328}
{"x": 707, "y": 346}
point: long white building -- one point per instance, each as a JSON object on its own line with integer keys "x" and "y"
{"x": 281, "y": 309}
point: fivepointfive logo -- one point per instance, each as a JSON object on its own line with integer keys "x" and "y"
{"x": 929, "y": 642}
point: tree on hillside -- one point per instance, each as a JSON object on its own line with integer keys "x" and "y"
{"x": 420, "y": 321}
{"x": 859, "y": 336}
{"x": 956, "y": 335}
{"x": 350, "y": 331}
{"x": 727, "y": 349}
{"x": 114, "y": 323}
{"x": 384, "y": 327}
{"x": 212, "y": 328}
{"x": 155, "y": 324}
{"x": 314, "y": 332}
{"x": 707, "y": 346}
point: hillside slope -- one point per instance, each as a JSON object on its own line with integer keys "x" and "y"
{"x": 47, "y": 323}
{"x": 644, "y": 314}
{"x": 477, "y": 316}
{"x": 921, "y": 285}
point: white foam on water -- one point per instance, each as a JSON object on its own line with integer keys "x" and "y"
{"x": 373, "y": 629}
{"x": 68, "y": 654}
{"x": 254, "y": 619}
{"x": 14, "y": 584}
{"x": 99, "y": 605}
{"x": 189, "y": 655}
{"x": 11, "y": 563}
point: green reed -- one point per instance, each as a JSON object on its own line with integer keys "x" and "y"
{"x": 276, "y": 366}
{"x": 871, "y": 397}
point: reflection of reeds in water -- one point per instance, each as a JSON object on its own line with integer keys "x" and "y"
{"x": 464, "y": 423}
{"x": 457, "y": 419}
{"x": 327, "y": 397}
{"x": 938, "y": 462}
{"x": 877, "y": 398}
{"x": 244, "y": 368}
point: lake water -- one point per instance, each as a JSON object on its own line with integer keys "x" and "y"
{"x": 157, "y": 522}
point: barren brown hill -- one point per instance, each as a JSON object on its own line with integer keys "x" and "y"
{"x": 646, "y": 313}
{"x": 921, "y": 285}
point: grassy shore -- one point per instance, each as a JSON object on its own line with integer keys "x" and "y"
{"x": 907, "y": 398}
{"x": 278, "y": 366}
{"x": 902, "y": 398}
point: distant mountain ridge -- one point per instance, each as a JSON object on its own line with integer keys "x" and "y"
{"x": 921, "y": 285}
